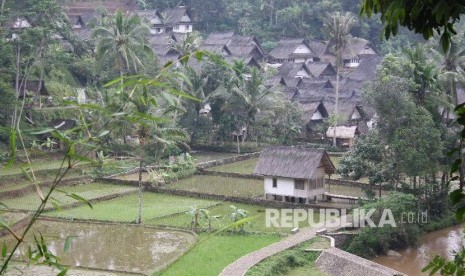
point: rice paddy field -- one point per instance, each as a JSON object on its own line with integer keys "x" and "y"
{"x": 218, "y": 185}
{"x": 125, "y": 208}
{"x": 201, "y": 157}
{"x": 223, "y": 213}
{"x": 88, "y": 191}
{"x": 244, "y": 167}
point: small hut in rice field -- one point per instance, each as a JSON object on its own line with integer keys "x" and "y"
{"x": 294, "y": 174}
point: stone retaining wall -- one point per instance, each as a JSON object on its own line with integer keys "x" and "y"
{"x": 31, "y": 188}
{"x": 353, "y": 184}
{"x": 228, "y": 174}
{"x": 336, "y": 262}
{"x": 245, "y": 200}
{"x": 228, "y": 160}
{"x": 340, "y": 238}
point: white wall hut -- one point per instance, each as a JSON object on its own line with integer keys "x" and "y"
{"x": 294, "y": 174}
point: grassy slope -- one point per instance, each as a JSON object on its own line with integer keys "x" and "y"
{"x": 288, "y": 261}
{"x": 214, "y": 253}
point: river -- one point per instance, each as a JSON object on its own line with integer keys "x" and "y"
{"x": 441, "y": 242}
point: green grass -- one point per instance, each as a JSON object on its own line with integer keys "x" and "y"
{"x": 286, "y": 261}
{"x": 201, "y": 157}
{"x": 218, "y": 185}
{"x": 244, "y": 167}
{"x": 88, "y": 191}
{"x": 125, "y": 209}
{"x": 213, "y": 253}
{"x": 36, "y": 166}
{"x": 224, "y": 211}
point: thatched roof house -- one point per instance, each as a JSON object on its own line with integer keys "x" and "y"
{"x": 293, "y": 162}
{"x": 321, "y": 69}
{"x": 294, "y": 174}
{"x": 293, "y": 50}
{"x": 242, "y": 47}
{"x": 343, "y": 132}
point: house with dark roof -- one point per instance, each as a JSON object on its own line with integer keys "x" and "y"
{"x": 321, "y": 69}
{"x": 357, "y": 49}
{"x": 293, "y": 50}
{"x": 294, "y": 174}
{"x": 345, "y": 135}
{"x": 314, "y": 114}
{"x": 234, "y": 47}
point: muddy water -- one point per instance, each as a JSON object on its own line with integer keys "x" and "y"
{"x": 113, "y": 247}
{"x": 441, "y": 242}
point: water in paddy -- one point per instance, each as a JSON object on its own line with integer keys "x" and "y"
{"x": 116, "y": 247}
{"x": 441, "y": 242}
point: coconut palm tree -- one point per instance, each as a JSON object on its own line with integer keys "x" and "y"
{"x": 248, "y": 96}
{"x": 189, "y": 45}
{"x": 122, "y": 41}
{"x": 451, "y": 66}
{"x": 337, "y": 28}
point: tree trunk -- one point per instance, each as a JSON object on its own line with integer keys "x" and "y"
{"x": 141, "y": 163}
{"x": 335, "y": 105}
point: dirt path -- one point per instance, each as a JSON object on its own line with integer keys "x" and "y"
{"x": 243, "y": 264}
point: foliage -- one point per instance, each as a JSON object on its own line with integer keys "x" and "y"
{"x": 373, "y": 241}
{"x": 285, "y": 261}
{"x": 425, "y": 17}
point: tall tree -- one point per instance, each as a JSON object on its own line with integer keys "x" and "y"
{"x": 337, "y": 28}
{"x": 123, "y": 41}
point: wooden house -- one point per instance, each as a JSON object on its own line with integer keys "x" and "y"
{"x": 294, "y": 174}
{"x": 177, "y": 20}
{"x": 321, "y": 69}
{"x": 357, "y": 49}
{"x": 292, "y": 50}
{"x": 345, "y": 135}
{"x": 236, "y": 47}
{"x": 314, "y": 114}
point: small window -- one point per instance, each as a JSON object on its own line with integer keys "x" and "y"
{"x": 275, "y": 183}
{"x": 299, "y": 184}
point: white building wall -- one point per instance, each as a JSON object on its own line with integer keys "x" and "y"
{"x": 285, "y": 186}
{"x": 183, "y": 28}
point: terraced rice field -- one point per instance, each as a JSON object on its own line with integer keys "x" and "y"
{"x": 88, "y": 191}
{"x": 244, "y": 167}
{"x": 228, "y": 186}
{"x": 223, "y": 213}
{"x": 125, "y": 209}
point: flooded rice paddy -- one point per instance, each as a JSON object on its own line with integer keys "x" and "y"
{"x": 114, "y": 247}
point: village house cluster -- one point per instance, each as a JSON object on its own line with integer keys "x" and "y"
{"x": 304, "y": 70}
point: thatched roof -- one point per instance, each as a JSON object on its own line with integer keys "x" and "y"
{"x": 292, "y": 162}
{"x": 366, "y": 70}
{"x": 286, "y": 47}
{"x": 173, "y": 16}
{"x": 30, "y": 88}
{"x": 345, "y": 108}
{"x": 154, "y": 17}
{"x": 343, "y": 132}
{"x": 318, "y": 47}
{"x": 314, "y": 89}
{"x": 217, "y": 49}
{"x": 321, "y": 69}
{"x": 291, "y": 69}
{"x": 309, "y": 108}
{"x": 219, "y": 38}
{"x": 356, "y": 47}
